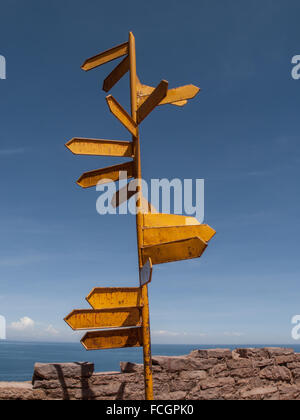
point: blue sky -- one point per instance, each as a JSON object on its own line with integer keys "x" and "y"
{"x": 241, "y": 134}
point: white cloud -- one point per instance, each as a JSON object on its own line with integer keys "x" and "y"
{"x": 51, "y": 330}
{"x": 166, "y": 333}
{"x": 24, "y": 323}
{"x": 233, "y": 334}
{"x": 26, "y": 329}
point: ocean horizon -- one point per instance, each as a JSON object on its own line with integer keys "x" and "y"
{"x": 17, "y": 358}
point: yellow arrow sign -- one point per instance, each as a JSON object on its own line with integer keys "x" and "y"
{"x": 174, "y": 251}
{"x": 125, "y": 194}
{"x": 152, "y": 101}
{"x": 105, "y": 57}
{"x": 89, "y": 319}
{"x": 121, "y": 196}
{"x": 143, "y": 92}
{"x": 177, "y": 96}
{"x": 159, "y": 235}
{"x": 162, "y": 220}
{"x": 116, "y": 74}
{"x": 81, "y": 146}
{"x": 105, "y": 175}
{"x": 180, "y": 94}
{"x": 115, "y": 297}
{"x": 112, "y": 339}
{"x": 119, "y": 112}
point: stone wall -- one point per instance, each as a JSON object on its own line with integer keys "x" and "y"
{"x": 242, "y": 374}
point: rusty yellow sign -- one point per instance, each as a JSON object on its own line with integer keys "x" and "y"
{"x": 95, "y": 147}
{"x": 143, "y": 92}
{"x": 115, "y": 297}
{"x": 163, "y": 220}
{"x": 119, "y": 112}
{"x": 121, "y": 315}
{"x": 113, "y": 339}
{"x": 90, "y": 319}
{"x": 116, "y": 74}
{"x": 122, "y": 196}
{"x": 174, "y": 251}
{"x": 152, "y": 101}
{"x": 178, "y": 96}
{"x": 159, "y": 235}
{"x": 105, "y": 175}
{"x": 105, "y": 57}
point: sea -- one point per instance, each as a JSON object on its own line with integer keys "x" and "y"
{"x": 17, "y": 359}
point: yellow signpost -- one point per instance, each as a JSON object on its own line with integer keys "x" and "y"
{"x": 115, "y": 297}
{"x": 100, "y": 147}
{"x": 91, "y": 319}
{"x": 120, "y": 316}
{"x": 104, "y": 175}
{"x": 113, "y": 339}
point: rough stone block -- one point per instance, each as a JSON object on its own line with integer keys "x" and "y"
{"x": 20, "y": 391}
{"x": 243, "y": 373}
{"x": 211, "y": 354}
{"x": 239, "y": 364}
{"x": 221, "y": 367}
{"x": 216, "y": 382}
{"x": 62, "y": 370}
{"x": 296, "y": 373}
{"x": 283, "y": 360}
{"x": 103, "y": 379}
{"x": 197, "y": 375}
{"x": 194, "y": 394}
{"x": 177, "y": 395}
{"x": 276, "y": 373}
{"x": 289, "y": 392}
{"x": 177, "y": 364}
{"x": 128, "y": 367}
{"x": 263, "y": 363}
{"x": 259, "y": 392}
{"x": 65, "y": 383}
{"x": 210, "y": 394}
{"x": 256, "y": 353}
{"x": 293, "y": 365}
{"x": 279, "y": 351}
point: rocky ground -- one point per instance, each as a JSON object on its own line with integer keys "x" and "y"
{"x": 217, "y": 374}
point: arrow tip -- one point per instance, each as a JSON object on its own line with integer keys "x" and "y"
{"x": 105, "y": 86}
{"x": 69, "y": 145}
{"x": 80, "y": 183}
{"x": 82, "y": 341}
{"x": 196, "y": 90}
{"x": 66, "y": 319}
{"x": 84, "y": 65}
{"x": 109, "y": 100}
